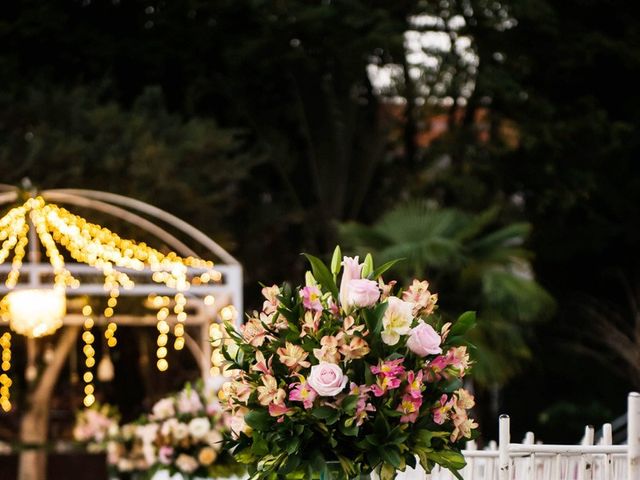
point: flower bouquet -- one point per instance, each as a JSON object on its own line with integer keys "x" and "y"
{"x": 342, "y": 382}
{"x": 95, "y": 425}
{"x": 182, "y": 435}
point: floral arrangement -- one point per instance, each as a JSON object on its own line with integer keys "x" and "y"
{"x": 182, "y": 435}
{"x": 341, "y": 382}
{"x": 95, "y": 425}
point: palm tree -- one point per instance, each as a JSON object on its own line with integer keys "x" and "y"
{"x": 475, "y": 264}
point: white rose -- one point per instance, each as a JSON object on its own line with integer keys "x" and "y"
{"x": 214, "y": 439}
{"x": 180, "y": 431}
{"x": 125, "y": 465}
{"x": 168, "y": 426}
{"x": 186, "y": 463}
{"x": 199, "y": 427}
{"x": 147, "y": 433}
{"x": 164, "y": 408}
{"x": 327, "y": 379}
{"x": 149, "y": 454}
{"x": 161, "y": 475}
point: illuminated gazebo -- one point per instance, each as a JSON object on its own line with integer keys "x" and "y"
{"x": 55, "y": 265}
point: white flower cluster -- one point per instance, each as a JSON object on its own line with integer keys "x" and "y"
{"x": 183, "y": 432}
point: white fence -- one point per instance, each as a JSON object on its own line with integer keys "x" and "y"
{"x": 529, "y": 460}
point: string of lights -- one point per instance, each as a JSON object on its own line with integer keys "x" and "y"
{"x": 93, "y": 245}
{"x": 181, "y": 316}
{"x": 36, "y": 310}
{"x": 163, "y": 330}
{"x": 5, "y": 380}
{"x": 89, "y": 353}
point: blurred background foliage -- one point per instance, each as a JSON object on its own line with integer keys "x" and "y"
{"x": 494, "y": 144}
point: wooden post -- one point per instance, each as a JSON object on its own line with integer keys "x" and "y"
{"x": 504, "y": 438}
{"x": 35, "y": 422}
{"x": 633, "y": 436}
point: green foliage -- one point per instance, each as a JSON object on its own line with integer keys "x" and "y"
{"x": 62, "y": 138}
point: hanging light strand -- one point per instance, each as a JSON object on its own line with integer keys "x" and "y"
{"x": 106, "y": 247}
{"x": 89, "y": 354}
{"x": 111, "y": 284}
{"x": 163, "y": 330}
{"x": 5, "y": 380}
{"x": 96, "y": 246}
{"x": 181, "y": 316}
{"x": 18, "y": 254}
{"x": 62, "y": 276}
{"x": 11, "y": 226}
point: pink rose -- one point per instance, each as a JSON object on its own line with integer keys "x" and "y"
{"x": 362, "y": 293}
{"x": 327, "y": 379}
{"x": 423, "y": 340}
{"x": 352, "y": 271}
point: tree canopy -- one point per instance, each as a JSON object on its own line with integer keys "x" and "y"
{"x": 264, "y": 123}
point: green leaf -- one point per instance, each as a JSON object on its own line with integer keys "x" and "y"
{"x": 424, "y": 436}
{"x": 449, "y": 459}
{"x": 349, "y": 404}
{"x": 260, "y": 446}
{"x": 391, "y": 456}
{"x": 451, "y": 385}
{"x": 323, "y": 275}
{"x": 347, "y": 465}
{"x": 387, "y": 472}
{"x": 292, "y": 446}
{"x": 292, "y": 462}
{"x": 323, "y": 412}
{"x": 369, "y": 377}
{"x": 373, "y": 318}
{"x": 317, "y": 461}
{"x": 328, "y": 414}
{"x": 244, "y": 456}
{"x": 258, "y": 419}
{"x": 349, "y": 431}
{"x": 465, "y": 322}
{"x": 384, "y": 267}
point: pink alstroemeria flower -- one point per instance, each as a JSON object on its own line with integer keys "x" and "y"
{"x": 311, "y": 296}
{"x": 271, "y": 302}
{"x": 391, "y": 368}
{"x": 442, "y": 409}
{"x": 262, "y": 365}
{"x": 302, "y": 392}
{"x": 278, "y": 410}
{"x": 435, "y": 369}
{"x": 363, "y": 407}
{"x": 388, "y": 374}
{"x": 410, "y": 408}
{"x": 414, "y": 384}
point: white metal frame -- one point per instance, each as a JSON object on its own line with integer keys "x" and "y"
{"x": 158, "y": 223}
